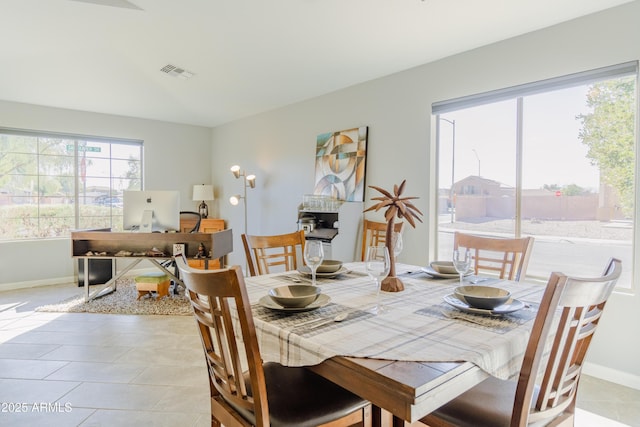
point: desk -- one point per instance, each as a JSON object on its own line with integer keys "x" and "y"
{"x": 89, "y": 244}
{"x": 408, "y": 361}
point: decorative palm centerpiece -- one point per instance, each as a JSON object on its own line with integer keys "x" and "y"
{"x": 402, "y": 208}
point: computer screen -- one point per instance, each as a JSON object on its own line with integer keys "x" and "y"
{"x": 147, "y": 211}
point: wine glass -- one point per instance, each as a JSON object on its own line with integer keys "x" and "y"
{"x": 462, "y": 261}
{"x": 313, "y": 256}
{"x": 377, "y": 265}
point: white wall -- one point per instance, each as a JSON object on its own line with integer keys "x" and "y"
{"x": 176, "y": 157}
{"x": 278, "y": 146}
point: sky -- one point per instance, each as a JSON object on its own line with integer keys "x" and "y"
{"x": 552, "y": 152}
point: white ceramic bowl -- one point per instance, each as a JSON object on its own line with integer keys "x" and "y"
{"x": 329, "y": 266}
{"x": 444, "y": 267}
{"x": 294, "y": 296}
{"x": 486, "y": 297}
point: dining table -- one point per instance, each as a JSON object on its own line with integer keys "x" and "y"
{"x": 423, "y": 350}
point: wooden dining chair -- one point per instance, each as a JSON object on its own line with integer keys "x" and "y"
{"x": 260, "y": 394}
{"x": 265, "y": 252}
{"x": 568, "y": 315}
{"x": 374, "y": 234}
{"x": 508, "y": 258}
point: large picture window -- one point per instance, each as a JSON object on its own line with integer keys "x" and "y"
{"x": 554, "y": 160}
{"x": 52, "y": 183}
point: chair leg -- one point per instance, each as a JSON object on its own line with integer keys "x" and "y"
{"x": 376, "y": 416}
{"x": 367, "y": 416}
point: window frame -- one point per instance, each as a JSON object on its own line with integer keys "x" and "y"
{"x": 518, "y": 93}
{"x": 77, "y": 197}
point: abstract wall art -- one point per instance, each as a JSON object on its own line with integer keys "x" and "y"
{"x": 340, "y": 164}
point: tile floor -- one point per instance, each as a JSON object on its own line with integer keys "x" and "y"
{"x": 71, "y": 369}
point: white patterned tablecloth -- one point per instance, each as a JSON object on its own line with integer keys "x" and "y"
{"x": 418, "y": 326}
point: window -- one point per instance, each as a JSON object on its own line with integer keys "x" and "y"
{"x": 52, "y": 183}
{"x": 554, "y": 160}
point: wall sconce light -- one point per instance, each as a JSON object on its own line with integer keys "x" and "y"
{"x": 249, "y": 181}
{"x": 203, "y": 192}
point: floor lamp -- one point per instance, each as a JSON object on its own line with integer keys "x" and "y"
{"x": 249, "y": 181}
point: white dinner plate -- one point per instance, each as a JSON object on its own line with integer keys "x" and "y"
{"x": 431, "y": 272}
{"x": 307, "y": 272}
{"x": 321, "y": 301}
{"x": 508, "y": 307}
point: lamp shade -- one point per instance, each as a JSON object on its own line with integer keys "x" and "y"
{"x": 203, "y": 192}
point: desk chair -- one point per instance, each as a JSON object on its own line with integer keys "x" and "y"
{"x": 189, "y": 221}
{"x": 374, "y": 234}
{"x": 576, "y": 305}
{"x": 508, "y": 257}
{"x": 265, "y": 252}
{"x": 268, "y": 393}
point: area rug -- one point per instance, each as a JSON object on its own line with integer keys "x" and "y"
{"x": 123, "y": 301}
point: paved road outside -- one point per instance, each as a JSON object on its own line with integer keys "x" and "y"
{"x": 574, "y": 247}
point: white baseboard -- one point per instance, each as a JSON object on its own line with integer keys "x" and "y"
{"x": 36, "y": 283}
{"x": 612, "y": 375}
{"x": 71, "y": 280}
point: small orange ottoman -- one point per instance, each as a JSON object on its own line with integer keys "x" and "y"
{"x": 153, "y": 282}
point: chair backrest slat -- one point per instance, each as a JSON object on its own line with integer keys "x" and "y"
{"x": 509, "y": 257}
{"x": 263, "y": 253}
{"x": 374, "y": 234}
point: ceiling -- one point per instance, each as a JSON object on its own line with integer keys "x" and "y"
{"x": 246, "y": 56}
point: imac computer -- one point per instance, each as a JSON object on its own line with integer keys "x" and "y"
{"x": 149, "y": 211}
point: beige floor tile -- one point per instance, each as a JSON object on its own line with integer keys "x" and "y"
{"x": 186, "y": 399}
{"x": 142, "y": 338}
{"x": 46, "y": 337}
{"x": 4, "y": 323}
{"x": 56, "y": 325}
{"x": 587, "y": 419}
{"x": 187, "y": 356}
{"x": 174, "y": 375}
{"x": 10, "y": 313}
{"x": 97, "y": 372}
{"x": 29, "y": 369}
{"x": 25, "y": 351}
{"x": 117, "y": 396}
{"x": 46, "y": 416}
{"x": 108, "y": 418}
{"x": 204, "y": 421}
{"x": 34, "y": 391}
{"x": 603, "y": 398}
{"x": 85, "y": 353}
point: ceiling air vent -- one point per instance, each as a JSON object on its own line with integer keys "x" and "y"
{"x": 174, "y": 71}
